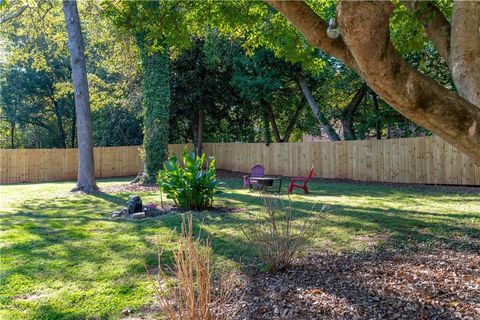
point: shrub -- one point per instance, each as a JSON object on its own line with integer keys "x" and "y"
{"x": 191, "y": 295}
{"x": 276, "y": 235}
{"x": 192, "y": 185}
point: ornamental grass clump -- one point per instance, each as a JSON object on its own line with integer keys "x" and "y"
{"x": 192, "y": 184}
{"x": 187, "y": 292}
{"x": 277, "y": 234}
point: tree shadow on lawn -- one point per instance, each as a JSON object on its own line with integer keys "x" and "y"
{"x": 71, "y": 242}
{"x": 79, "y": 225}
{"x": 455, "y": 230}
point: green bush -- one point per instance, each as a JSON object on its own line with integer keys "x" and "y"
{"x": 192, "y": 185}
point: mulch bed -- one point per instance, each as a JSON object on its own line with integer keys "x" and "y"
{"x": 129, "y": 187}
{"x": 418, "y": 284}
{"x": 170, "y": 209}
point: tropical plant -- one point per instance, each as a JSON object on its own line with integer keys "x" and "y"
{"x": 192, "y": 185}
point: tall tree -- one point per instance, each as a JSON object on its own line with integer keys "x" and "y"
{"x": 157, "y": 26}
{"x": 156, "y": 107}
{"x": 86, "y": 174}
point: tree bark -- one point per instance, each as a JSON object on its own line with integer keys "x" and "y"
{"x": 322, "y": 120}
{"x": 465, "y": 49}
{"x": 86, "y": 174}
{"x": 365, "y": 29}
{"x": 365, "y": 33}
{"x": 73, "y": 133}
{"x": 349, "y": 112}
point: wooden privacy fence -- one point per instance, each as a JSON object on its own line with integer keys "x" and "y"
{"x": 424, "y": 160}
{"x": 413, "y": 160}
{"x": 38, "y": 165}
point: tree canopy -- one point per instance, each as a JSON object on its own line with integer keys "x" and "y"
{"x": 240, "y": 71}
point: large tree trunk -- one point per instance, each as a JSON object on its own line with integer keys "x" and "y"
{"x": 86, "y": 174}
{"x": 366, "y": 47}
{"x": 465, "y": 49}
{"x": 322, "y": 120}
{"x": 73, "y": 133}
{"x": 156, "y": 107}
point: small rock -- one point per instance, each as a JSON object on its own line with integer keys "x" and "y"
{"x": 126, "y": 312}
{"x": 138, "y": 215}
{"x": 116, "y": 214}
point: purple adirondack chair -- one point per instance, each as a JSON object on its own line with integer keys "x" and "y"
{"x": 257, "y": 171}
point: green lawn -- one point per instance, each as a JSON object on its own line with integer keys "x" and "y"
{"x": 61, "y": 257}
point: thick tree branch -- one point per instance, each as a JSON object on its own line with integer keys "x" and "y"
{"x": 365, "y": 30}
{"x": 314, "y": 29}
{"x": 465, "y": 53}
{"x": 436, "y": 25}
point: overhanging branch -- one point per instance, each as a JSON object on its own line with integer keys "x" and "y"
{"x": 314, "y": 29}
{"x": 365, "y": 30}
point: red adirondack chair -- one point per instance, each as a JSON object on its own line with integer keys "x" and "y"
{"x": 302, "y": 180}
{"x": 257, "y": 171}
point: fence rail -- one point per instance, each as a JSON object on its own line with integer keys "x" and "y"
{"x": 39, "y": 165}
{"x": 413, "y": 160}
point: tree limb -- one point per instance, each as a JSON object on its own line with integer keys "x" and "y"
{"x": 322, "y": 120}
{"x": 436, "y": 25}
{"x": 465, "y": 52}
{"x": 365, "y": 30}
{"x": 314, "y": 29}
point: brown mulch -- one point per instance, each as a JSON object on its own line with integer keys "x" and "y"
{"x": 129, "y": 187}
{"x": 419, "y": 284}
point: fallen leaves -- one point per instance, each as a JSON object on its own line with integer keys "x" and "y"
{"x": 422, "y": 283}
